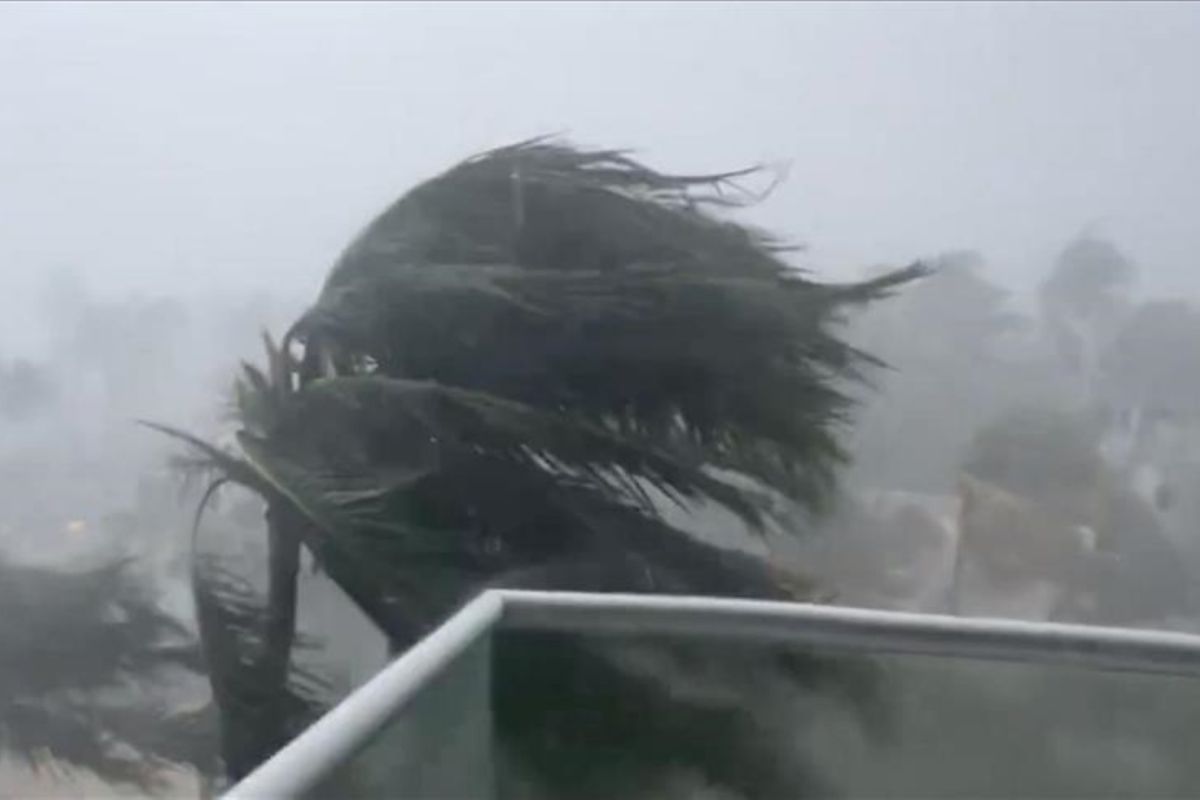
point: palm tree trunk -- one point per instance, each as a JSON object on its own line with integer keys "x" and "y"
{"x": 283, "y": 567}
{"x": 254, "y": 728}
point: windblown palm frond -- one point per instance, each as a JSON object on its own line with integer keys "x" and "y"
{"x": 75, "y": 648}
{"x": 610, "y": 291}
{"x": 232, "y": 626}
{"x": 500, "y": 375}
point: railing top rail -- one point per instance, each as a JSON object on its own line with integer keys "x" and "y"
{"x": 857, "y": 629}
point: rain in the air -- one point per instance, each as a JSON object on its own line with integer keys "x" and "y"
{"x": 580, "y": 401}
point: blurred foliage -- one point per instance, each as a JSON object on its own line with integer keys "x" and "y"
{"x": 1084, "y": 300}
{"x": 496, "y": 376}
{"x": 957, "y": 354}
{"x": 1088, "y": 277}
{"x": 1036, "y": 452}
{"x": 80, "y": 654}
{"x": 1154, "y": 360}
{"x": 1051, "y": 458}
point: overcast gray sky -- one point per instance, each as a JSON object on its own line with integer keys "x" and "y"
{"x": 188, "y": 148}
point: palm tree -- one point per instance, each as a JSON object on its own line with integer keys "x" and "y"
{"x": 502, "y": 379}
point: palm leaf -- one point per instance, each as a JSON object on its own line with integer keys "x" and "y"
{"x": 232, "y": 620}
{"x": 74, "y": 645}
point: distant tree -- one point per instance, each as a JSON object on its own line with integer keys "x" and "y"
{"x": 1088, "y": 277}
{"x": 1153, "y": 363}
{"x": 497, "y": 373}
{"x": 1150, "y": 394}
{"x": 1084, "y": 299}
{"x": 1039, "y": 453}
{"x": 958, "y": 309}
{"x": 1051, "y": 458}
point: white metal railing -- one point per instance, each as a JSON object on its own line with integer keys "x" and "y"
{"x": 337, "y": 736}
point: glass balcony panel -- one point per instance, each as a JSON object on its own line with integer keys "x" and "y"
{"x": 439, "y": 745}
{"x": 923, "y": 726}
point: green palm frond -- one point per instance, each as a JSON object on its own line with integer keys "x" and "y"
{"x": 401, "y": 432}
{"x": 75, "y": 646}
{"x": 209, "y": 459}
{"x": 615, "y": 295}
{"x": 736, "y": 371}
{"x": 546, "y": 202}
{"x": 232, "y": 623}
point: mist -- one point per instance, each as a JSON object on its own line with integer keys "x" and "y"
{"x": 190, "y": 147}
{"x": 177, "y": 179}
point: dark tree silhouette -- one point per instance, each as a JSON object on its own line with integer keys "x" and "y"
{"x": 1083, "y": 300}
{"x": 499, "y": 375}
{"x": 79, "y": 648}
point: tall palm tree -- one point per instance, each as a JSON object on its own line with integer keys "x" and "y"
{"x": 504, "y": 378}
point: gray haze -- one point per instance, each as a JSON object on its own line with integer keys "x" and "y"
{"x": 190, "y": 148}
{"x": 176, "y": 177}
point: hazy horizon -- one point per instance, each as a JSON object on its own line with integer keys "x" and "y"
{"x": 193, "y": 148}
